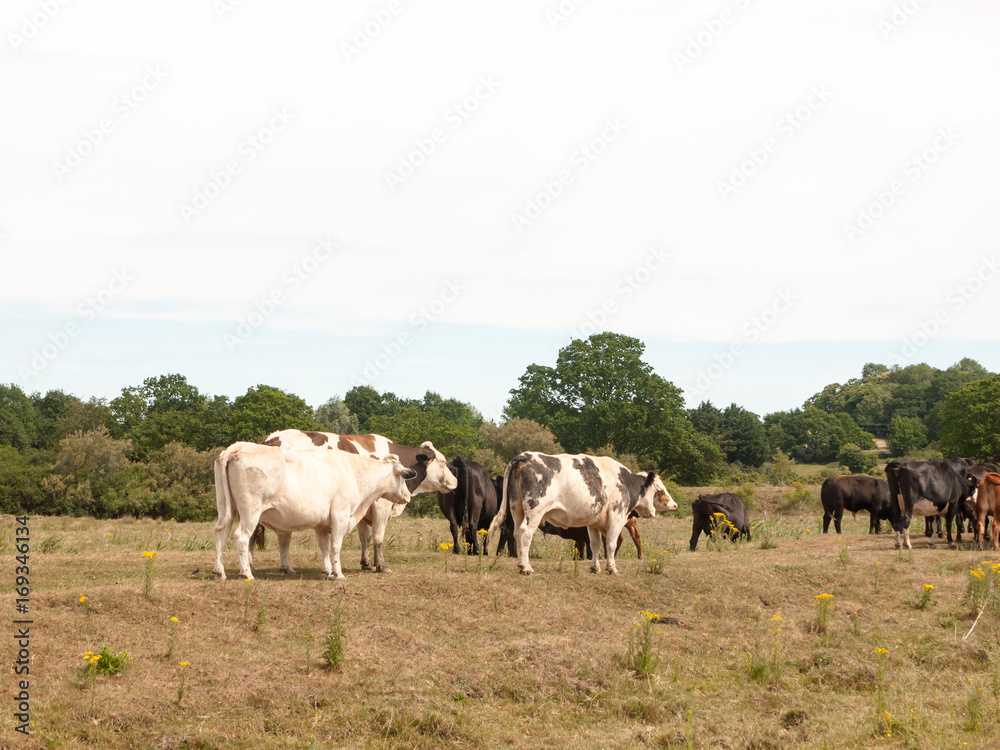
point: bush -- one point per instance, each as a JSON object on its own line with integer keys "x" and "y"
{"x": 906, "y": 434}
{"x": 857, "y": 460}
{"x": 780, "y": 470}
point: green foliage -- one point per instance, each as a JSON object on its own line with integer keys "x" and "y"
{"x": 601, "y": 393}
{"x": 970, "y": 424}
{"x": 18, "y": 426}
{"x": 856, "y": 460}
{"x": 781, "y": 469}
{"x": 906, "y": 434}
{"x": 333, "y": 643}
{"x": 643, "y": 655}
{"x": 412, "y": 426}
{"x": 106, "y": 662}
{"x": 264, "y": 409}
{"x": 23, "y": 477}
{"x": 739, "y": 432}
{"x": 517, "y": 435}
{"x": 334, "y": 416}
{"x": 811, "y": 435}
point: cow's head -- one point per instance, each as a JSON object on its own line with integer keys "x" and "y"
{"x": 398, "y": 492}
{"x": 653, "y": 497}
{"x": 437, "y": 476}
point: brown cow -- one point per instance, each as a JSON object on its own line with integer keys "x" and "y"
{"x": 987, "y": 498}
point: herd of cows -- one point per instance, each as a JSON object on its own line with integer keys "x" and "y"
{"x": 328, "y": 483}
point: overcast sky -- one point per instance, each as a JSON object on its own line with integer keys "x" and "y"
{"x": 435, "y": 194}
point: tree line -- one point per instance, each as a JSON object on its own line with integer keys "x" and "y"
{"x": 149, "y": 451}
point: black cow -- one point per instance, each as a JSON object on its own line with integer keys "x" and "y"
{"x": 581, "y": 537}
{"x": 853, "y": 493}
{"x": 472, "y": 505}
{"x": 926, "y": 488}
{"x": 507, "y": 528}
{"x": 726, "y": 503}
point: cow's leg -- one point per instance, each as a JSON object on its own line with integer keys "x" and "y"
{"x": 338, "y": 531}
{"x": 695, "y": 533}
{"x": 595, "y": 547}
{"x": 364, "y": 536}
{"x": 614, "y": 531}
{"x": 380, "y": 519}
{"x": 523, "y": 532}
{"x": 324, "y": 542}
{"x": 284, "y": 553}
{"x": 453, "y": 524}
{"x": 996, "y": 532}
{"x": 221, "y": 537}
{"x": 632, "y": 525}
{"x": 473, "y": 519}
{"x": 244, "y": 531}
{"x": 980, "y": 531}
{"x": 837, "y": 516}
{"x": 958, "y": 529}
{"x": 827, "y": 515}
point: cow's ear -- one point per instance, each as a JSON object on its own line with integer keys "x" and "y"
{"x": 650, "y": 478}
{"x": 424, "y": 458}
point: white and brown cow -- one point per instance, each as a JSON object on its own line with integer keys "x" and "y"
{"x": 430, "y": 465}
{"x": 576, "y": 490}
{"x": 289, "y": 490}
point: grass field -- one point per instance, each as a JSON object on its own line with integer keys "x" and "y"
{"x": 453, "y": 651}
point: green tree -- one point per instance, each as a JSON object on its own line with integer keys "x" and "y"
{"x": 412, "y": 426}
{"x": 601, "y": 392}
{"x": 18, "y": 426}
{"x": 517, "y": 435}
{"x": 334, "y": 416}
{"x": 744, "y": 439}
{"x": 264, "y": 409}
{"x": 906, "y": 434}
{"x": 970, "y": 424}
{"x": 871, "y": 370}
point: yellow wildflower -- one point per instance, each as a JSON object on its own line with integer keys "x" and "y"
{"x": 184, "y": 663}
{"x": 150, "y": 555}
{"x": 929, "y": 586}
{"x": 83, "y": 599}
{"x": 881, "y": 651}
{"x": 174, "y": 619}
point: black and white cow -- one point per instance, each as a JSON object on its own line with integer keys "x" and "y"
{"x": 925, "y": 488}
{"x": 576, "y": 490}
{"x": 852, "y": 493}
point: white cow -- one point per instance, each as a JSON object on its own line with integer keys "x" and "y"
{"x": 576, "y": 490}
{"x": 289, "y": 490}
{"x": 430, "y": 465}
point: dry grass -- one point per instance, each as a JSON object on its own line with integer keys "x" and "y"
{"x": 477, "y": 656}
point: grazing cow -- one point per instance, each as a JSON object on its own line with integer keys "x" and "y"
{"x": 925, "y": 488}
{"x": 471, "y": 506}
{"x": 432, "y": 475}
{"x": 987, "y": 502}
{"x": 853, "y": 493}
{"x": 575, "y": 490}
{"x": 581, "y": 537}
{"x": 291, "y": 490}
{"x": 726, "y": 503}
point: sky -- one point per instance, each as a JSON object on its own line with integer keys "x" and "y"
{"x": 433, "y": 195}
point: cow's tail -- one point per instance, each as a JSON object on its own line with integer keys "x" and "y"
{"x": 462, "y": 471}
{"x": 502, "y": 510}
{"x": 224, "y": 502}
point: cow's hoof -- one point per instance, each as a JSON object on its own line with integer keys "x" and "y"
{"x": 220, "y": 576}
{"x": 899, "y": 546}
{"x": 526, "y": 571}
{"x": 383, "y": 569}
{"x": 365, "y": 565}
{"x": 952, "y": 545}
{"x": 612, "y": 572}
{"x": 287, "y": 571}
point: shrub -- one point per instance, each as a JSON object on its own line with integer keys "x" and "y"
{"x": 857, "y": 460}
